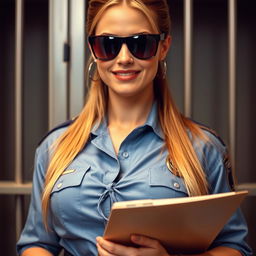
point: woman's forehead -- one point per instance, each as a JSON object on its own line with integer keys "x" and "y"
{"x": 123, "y": 20}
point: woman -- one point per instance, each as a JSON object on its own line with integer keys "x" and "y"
{"x": 129, "y": 142}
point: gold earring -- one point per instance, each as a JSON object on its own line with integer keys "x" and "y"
{"x": 91, "y": 70}
{"x": 163, "y": 70}
{"x": 164, "y": 66}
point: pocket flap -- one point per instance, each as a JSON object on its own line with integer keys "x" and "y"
{"x": 163, "y": 177}
{"x": 71, "y": 177}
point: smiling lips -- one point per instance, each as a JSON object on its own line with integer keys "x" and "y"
{"x": 126, "y": 75}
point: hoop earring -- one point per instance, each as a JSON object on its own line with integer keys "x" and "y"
{"x": 163, "y": 70}
{"x": 91, "y": 70}
{"x": 164, "y": 65}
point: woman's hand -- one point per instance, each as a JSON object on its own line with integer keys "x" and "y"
{"x": 148, "y": 247}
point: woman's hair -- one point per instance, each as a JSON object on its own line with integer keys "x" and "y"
{"x": 174, "y": 125}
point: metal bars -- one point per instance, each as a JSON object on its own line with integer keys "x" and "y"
{"x": 18, "y": 108}
{"x": 18, "y": 89}
{"x": 58, "y": 69}
{"x": 77, "y": 44}
{"x": 232, "y": 77}
{"x": 188, "y": 46}
{"x": 66, "y": 77}
{"x": 188, "y": 49}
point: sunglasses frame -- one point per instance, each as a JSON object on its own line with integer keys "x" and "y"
{"x": 125, "y": 40}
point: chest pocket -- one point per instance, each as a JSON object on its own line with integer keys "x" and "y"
{"x": 66, "y": 197}
{"x": 71, "y": 177}
{"x": 167, "y": 183}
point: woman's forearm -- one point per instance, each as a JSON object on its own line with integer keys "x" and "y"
{"x": 36, "y": 251}
{"x": 220, "y": 251}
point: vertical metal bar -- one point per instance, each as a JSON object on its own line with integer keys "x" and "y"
{"x": 58, "y": 68}
{"x": 18, "y": 90}
{"x": 77, "y": 41}
{"x": 68, "y": 60}
{"x": 232, "y": 78}
{"x": 188, "y": 27}
{"x": 50, "y": 69}
{"x": 18, "y": 217}
{"x": 18, "y": 106}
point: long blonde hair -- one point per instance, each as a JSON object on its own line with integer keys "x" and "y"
{"x": 175, "y": 126}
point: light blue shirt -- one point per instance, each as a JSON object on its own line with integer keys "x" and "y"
{"x": 82, "y": 197}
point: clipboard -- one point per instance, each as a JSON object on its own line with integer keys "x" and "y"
{"x": 181, "y": 225}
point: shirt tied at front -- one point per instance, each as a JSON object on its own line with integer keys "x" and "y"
{"x": 110, "y": 192}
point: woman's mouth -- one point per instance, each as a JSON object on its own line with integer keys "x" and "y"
{"x": 126, "y": 75}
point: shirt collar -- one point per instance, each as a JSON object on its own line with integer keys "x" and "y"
{"x": 100, "y": 128}
{"x": 152, "y": 121}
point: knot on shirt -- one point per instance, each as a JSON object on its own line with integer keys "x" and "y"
{"x": 109, "y": 188}
{"x": 110, "y": 192}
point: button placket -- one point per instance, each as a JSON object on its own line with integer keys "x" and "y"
{"x": 111, "y": 172}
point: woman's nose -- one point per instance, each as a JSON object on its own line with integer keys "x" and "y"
{"x": 125, "y": 57}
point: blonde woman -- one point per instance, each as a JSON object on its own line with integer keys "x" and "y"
{"x": 129, "y": 142}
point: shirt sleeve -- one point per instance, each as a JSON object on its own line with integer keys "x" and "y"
{"x": 34, "y": 233}
{"x": 219, "y": 174}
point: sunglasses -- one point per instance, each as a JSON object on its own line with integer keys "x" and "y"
{"x": 143, "y": 46}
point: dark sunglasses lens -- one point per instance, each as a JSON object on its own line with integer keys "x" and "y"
{"x": 143, "y": 46}
{"x": 105, "y": 47}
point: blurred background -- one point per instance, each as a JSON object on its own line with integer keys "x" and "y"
{"x": 43, "y": 53}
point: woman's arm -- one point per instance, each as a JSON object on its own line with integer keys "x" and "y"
{"x": 34, "y": 234}
{"x": 36, "y": 251}
{"x": 220, "y": 251}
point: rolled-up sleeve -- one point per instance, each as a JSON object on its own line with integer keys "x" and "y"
{"x": 34, "y": 233}
{"x": 218, "y": 168}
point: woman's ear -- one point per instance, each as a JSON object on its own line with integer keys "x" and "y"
{"x": 165, "y": 46}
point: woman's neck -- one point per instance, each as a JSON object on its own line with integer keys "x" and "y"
{"x": 129, "y": 113}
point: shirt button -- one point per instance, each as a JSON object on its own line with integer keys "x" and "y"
{"x": 125, "y": 154}
{"x": 59, "y": 185}
{"x": 176, "y": 185}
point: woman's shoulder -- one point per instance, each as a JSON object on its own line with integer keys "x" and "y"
{"x": 214, "y": 155}
{"x": 45, "y": 147}
{"x": 47, "y": 141}
{"x": 212, "y": 136}
{"x": 209, "y": 145}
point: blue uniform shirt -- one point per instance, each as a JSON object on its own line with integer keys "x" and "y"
{"x": 82, "y": 197}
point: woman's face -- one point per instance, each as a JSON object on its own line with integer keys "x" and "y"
{"x": 126, "y": 75}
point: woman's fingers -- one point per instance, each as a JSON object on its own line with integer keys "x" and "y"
{"x": 107, "y": 248}
{"x": 102, "y": 251}
{"x": 145, "y": 241}
{"x": 147, "y": 247}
